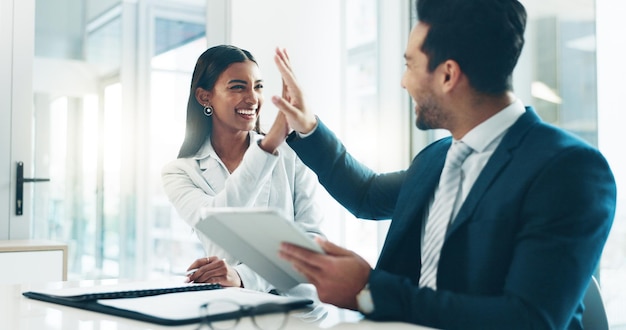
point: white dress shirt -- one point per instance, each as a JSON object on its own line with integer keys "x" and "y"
{"x": 483, "y": 139}
{"x": 280, "y": 181}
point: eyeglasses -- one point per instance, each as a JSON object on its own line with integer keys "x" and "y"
{"x": 225, "y": 314}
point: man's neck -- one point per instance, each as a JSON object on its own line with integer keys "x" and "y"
{"x": 478, "y": 109}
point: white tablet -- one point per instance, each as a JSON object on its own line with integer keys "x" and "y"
{"x": 253, "y": 235}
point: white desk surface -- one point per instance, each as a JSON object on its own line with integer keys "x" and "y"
{"x": 20, "y": 313}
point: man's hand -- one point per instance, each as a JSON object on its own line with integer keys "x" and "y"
{"x": 214, "y": 270}
{"x": 338, "y": 275}
{"x": 292, "y": 102}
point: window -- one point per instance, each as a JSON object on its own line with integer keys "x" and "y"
{"x": 90, "y": 134}
{"x": 557, "y": 74}
{"x": 170, "y": 238}
{"x": 361, "y": 115}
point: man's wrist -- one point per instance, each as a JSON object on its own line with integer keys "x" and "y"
{"x": 364, "y": 300}
{"x": 304, "y": 135}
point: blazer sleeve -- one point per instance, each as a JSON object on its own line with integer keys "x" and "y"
{"x": 360, "y": 190}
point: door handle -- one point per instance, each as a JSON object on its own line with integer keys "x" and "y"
{"x": 19, "y": 187}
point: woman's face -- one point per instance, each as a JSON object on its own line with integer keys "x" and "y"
{"x": 237, "y": 97}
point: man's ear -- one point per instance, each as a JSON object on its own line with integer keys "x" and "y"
{"x": 203, "y": 96}
{"x": 450, "y": 75}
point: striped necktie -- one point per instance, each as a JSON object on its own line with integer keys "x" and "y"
{"x": 441, "y": 212}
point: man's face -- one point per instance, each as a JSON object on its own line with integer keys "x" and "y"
{"x": 419, "y": 82}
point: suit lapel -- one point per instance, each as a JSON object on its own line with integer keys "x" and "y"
{"x": 500, "y": 158}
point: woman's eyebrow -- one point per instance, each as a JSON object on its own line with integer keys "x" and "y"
{"x": 239, "y": 81}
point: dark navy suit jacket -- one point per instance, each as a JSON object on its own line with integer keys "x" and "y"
{"x": 522, "y": 249}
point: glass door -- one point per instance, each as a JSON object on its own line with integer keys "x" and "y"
{"x": 16, "y": 53}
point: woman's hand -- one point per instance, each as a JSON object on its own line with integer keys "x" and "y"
{"x": 280, "y": 129}
{"x": 276, "y": 135}
{"x": 291, "y": 104}
{"x": 214, "y": 270}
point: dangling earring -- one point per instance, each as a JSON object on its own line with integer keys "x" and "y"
{"x": 208, "y": 110}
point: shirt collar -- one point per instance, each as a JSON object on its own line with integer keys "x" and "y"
{"x": 481, "y": 136}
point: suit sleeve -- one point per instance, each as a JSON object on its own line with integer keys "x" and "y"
{"x": 360, "y": 190}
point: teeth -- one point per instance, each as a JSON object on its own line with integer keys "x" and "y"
{"x": 246, "y": 112}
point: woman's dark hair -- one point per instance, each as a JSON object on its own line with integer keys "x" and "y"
{"x": 485, "y": 37}
{"x": 209, "y": 67}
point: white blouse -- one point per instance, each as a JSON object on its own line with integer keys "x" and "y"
{"x": 280, "y": 181}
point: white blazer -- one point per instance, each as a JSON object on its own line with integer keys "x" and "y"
{"x": 279, "y": 181}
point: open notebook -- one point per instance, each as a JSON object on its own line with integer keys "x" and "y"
{"x": 161, "y": 303}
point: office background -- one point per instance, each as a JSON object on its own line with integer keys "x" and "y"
{"x": 107, "y": 82}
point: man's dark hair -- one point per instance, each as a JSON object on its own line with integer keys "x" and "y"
{"x": 485, "y": 37}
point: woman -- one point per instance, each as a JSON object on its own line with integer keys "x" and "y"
{"x": 225, "y": 161}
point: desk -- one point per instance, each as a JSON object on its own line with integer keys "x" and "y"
{"x": 20, "y": 313}
{"x": 32, "y": 261}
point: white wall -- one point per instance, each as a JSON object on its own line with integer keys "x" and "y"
{"x": 311, "y": 33}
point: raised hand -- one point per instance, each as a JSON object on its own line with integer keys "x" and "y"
{"x": 276, "y": 135}
{"x": 291, "y": 104}
{"x": 280, "y": 129}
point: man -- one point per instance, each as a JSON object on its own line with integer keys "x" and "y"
{"x": 527, "y": 223}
